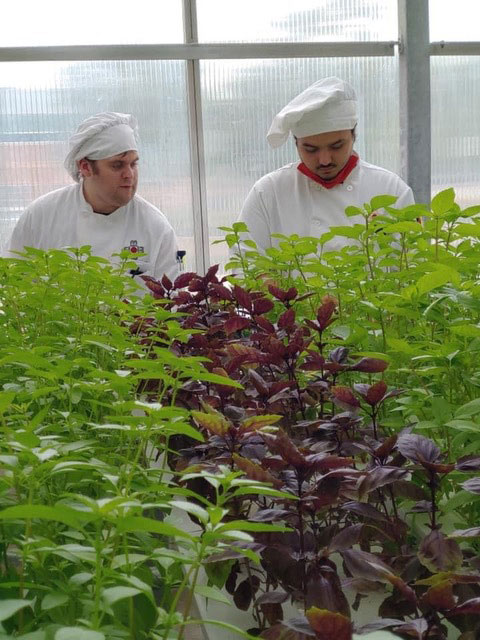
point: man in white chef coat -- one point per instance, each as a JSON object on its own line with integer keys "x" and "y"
{"x": 101, "y": 208}
{"x": 310, "y": 196}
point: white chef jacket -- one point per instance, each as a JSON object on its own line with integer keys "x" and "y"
{"x": 286, "y": 201}
{"x": 63, "y": 218}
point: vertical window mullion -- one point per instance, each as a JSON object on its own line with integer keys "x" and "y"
{"x": 197, "y": 153}
{"x": 414, "y": 83}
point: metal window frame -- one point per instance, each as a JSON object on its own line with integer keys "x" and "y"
{"x": 414, "y": 51}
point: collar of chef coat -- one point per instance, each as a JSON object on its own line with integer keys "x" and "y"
{"x": 339, "y": 178}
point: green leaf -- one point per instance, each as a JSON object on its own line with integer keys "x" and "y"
{"x": 27, "y": 439}
{"x": 212, "y": 593}
{"x": 216, "y": 379}
{"x": 464, "y": 425}
{"x": 353, "y": 211}
{"x": 213, "y": 422}
{"x": 471, "y": 211}
{"x": 8, "y": 608}
{"x": 78, "y": 633}
{"x": 469, "y": 409}
{"x": 113, "y": 594}
{"x": 380, "y": 202}
{"x": 466, "y": 230}
{"x": 6, "y": 399}
{"x": 194, "y": 509}
{"x": 436, "y": 279}
{"x": 403, "y": 227}
{"x": 68, "y": 516}
{"x": 52, "y": 600}
{"x": 238, "y": 227}
{"x": 153, "y": 526}
{"x": 465, "y": 330}
{"x": 81, "y": 578}
{"x": 443, "y": 201}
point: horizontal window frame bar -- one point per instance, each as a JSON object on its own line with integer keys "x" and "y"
{"x": 215, "y": 51}
{"x": 443, "y": 48}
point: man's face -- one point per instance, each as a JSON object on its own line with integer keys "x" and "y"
{"x": 325, "y": 154}
{"x": 112, "y": 182}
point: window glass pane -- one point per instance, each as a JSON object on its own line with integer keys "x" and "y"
{"x": 42, "y": 104}
{"x": 240, "y": 98}
{"x": 455, "y": 135}
{"x": 31, "y": 23}
{"x": 454, "y": 22}
{"x": 301, "y": 21}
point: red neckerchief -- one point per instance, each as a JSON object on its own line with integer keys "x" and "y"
{"x": 339, "y": 178}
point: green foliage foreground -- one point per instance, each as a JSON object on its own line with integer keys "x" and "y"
{"x": 87, "y": 551}
{"x": 90, "y": 403}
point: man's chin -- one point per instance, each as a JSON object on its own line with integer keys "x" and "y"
{"x": 125, "y": 196}
{"x": 328, "y": 175}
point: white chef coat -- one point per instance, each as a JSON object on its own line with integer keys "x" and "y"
{"x": 63, "y": 218}
{"x": 286, "y": 201}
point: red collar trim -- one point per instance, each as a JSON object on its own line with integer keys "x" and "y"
{"x": 339, "y": 178}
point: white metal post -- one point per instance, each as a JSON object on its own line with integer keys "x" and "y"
{"x": 415, "y": 115}
{"x": 197, "y": 152}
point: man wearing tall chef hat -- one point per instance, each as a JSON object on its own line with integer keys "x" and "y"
{"x": 101, "y": 208}
{"x": 310, "y": 196}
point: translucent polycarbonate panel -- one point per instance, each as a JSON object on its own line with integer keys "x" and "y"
{"x": 456, "y": 21}
{"x": 455, "y": 91}
{"x": 299, "y": 21}
{"x": 29, "y": 23}
{"x": 41, "y": 105}
{"x": 240, "y": 98}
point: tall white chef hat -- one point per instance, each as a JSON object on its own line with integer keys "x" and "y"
{"x": 327, "y": 105}
{"x": 101, "y": 136}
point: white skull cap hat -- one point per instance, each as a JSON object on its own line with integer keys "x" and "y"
{"x": 101, "y": 136}
{"x": 327, "y": 105}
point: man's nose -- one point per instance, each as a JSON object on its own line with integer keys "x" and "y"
{"x": 324, "y": 157}
{"x": 128, "y": 172}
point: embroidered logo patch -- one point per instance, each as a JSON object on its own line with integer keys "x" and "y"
{"x": 134, "y": 248}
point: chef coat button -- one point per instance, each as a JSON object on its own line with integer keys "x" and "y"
{"x": 349, "y": 188}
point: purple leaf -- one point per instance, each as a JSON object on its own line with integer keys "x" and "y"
{"x": 287, "y": 319}
{"x": 346, "y": 538}
{"x": 235, "y": 323}
{"x": 344, "y": 395}
{"x": 366, "y": 565}
{"x": 380, "y": 623}
{"x": 417, "y": 448}
{"x": 439, "y": 553}
{"x": 376, "y": 393}
{"x": 468, "y": 463}
{"x": 472, "y": 485}
{"x": 379, "y": 477}
{"x": 262, "y": 305}
{"x": 184, "y": 280}
{"x": 365, "y": 510}
{"x": 469, "y": 607}
{"x": 269, "y": 515}
{"x": 242, "y": 297}
{"x": 418, "y": 627}
{"x": 370, "y": 365}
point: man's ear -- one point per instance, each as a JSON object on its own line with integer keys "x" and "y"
{"x": 85, "y": 168}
